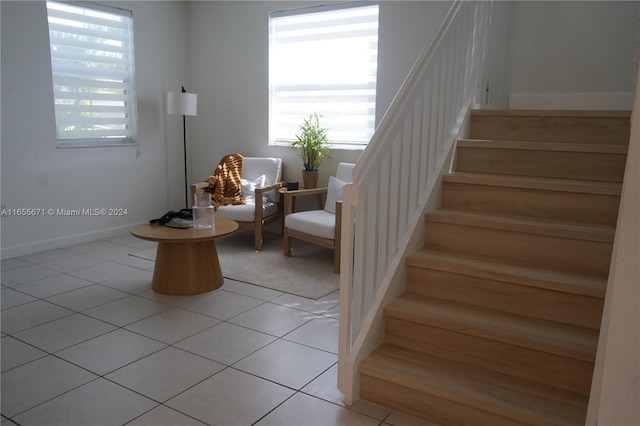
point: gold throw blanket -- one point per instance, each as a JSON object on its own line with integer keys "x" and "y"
{"x": 225, "y": 183}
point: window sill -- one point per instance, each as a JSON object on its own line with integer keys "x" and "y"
{"x": 92, "y": 144}
{"x": 333, "y": 147}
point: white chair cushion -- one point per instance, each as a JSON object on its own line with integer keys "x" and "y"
{"x": 245, "y": 212}
{"x": 271, "y": 168}
{"x": 344, "y": 172}
{"x": 334, "y": 194}
{"x": 249, "y": 188}
{"x": 320, "y": 223}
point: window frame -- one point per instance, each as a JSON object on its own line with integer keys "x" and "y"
{"x": 110, "y": 95}
{"x": 366, "y": 90}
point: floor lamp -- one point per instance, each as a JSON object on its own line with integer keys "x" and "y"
{"x": 183, "y": 104}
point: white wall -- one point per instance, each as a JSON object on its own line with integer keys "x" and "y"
{"x": 220, "y": 51}
{"x": 405, "y": 29}
{"x": 145, "y": 179}
{"x": 229, "y": 67}
{"x": 216, "y": 49}
{"x": 572, "y": 54}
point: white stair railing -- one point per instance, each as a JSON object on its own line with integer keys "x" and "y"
{"x": 463, "y": 66}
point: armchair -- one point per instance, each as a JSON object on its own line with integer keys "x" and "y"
{"x": 322, "y": 226}
{"x": 262, "y": 176}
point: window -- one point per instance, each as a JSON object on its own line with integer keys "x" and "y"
{"x": 93, "y": 74}
{"x": 324, "y": 60}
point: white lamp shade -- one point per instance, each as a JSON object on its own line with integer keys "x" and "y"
{"x": 182, "y": 103}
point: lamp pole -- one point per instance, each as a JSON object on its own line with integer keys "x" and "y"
{"x": 183, "y": 104}
{"x": 184, "y": 140}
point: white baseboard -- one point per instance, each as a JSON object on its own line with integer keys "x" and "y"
{"x": 34, "y": 247}
{"x": 576, "y": 101}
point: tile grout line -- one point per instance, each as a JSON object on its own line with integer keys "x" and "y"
{"x": 315, "y": 316}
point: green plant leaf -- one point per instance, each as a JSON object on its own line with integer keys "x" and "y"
{"x": 312, "y": 142}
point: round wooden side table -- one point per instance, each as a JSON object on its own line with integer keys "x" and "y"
{"x": 187, "y": 259}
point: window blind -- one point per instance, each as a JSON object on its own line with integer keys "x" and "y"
{"x": 93, "y": 73}
{"x": 324, "y": 60}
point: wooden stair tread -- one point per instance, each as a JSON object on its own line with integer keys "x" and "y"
{"x": 543, "y": 146}
{"x": 513, "y": 272}
{"x": 493, "y": 392}
{"x": 541, "y": 183}
{"x": 590, "y": 232}
{"x": 561, "y": 339}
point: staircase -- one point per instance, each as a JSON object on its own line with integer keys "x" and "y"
{"x": 500, "y": 318}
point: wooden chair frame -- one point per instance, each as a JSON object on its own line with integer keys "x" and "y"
{"x": 289, "y": 234}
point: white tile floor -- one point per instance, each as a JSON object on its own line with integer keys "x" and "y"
{"x": 85, "y": 341}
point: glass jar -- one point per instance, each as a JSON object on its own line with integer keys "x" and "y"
{"x": 203, "y": 211}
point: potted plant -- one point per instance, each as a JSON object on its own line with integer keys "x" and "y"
{"x": 313, "y": 144}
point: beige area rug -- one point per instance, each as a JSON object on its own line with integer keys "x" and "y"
{"x": 307, "y": 273}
